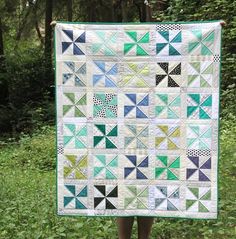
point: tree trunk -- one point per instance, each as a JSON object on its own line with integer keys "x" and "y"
{"x": 113, "y": 16}
{"x": 117, "y": 11}
{"x": 22, "y": 24}
{"x": 1, "y": 43}
{"x": 162, "y": 5}
{"x": 92, "y": 12}
{"x": 4, "y": 93}
{"x": 124, "y": 10}
{"x": 48, "y": 31}
{"x": 36, "y": 24}
{"x": 148, "y": 14}
{"x": 69, "y": 10}
{"x": 143, "y": 13}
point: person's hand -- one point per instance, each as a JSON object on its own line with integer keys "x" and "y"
{"x": 223, "y": 23}
{"x": 53, "y": 23}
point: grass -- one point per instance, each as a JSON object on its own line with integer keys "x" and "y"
{"x": 28, "y": 202}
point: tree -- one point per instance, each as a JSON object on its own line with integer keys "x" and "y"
{"x": 6, "y": 8}
{"x": 1, "y": 44}
{"x": 69, "y": 10}
{"x": 48, "y": 29}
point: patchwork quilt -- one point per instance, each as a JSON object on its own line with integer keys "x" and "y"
{"x": 137, "y": 119}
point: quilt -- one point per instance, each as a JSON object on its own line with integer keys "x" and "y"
{"x": 137, "y": 108}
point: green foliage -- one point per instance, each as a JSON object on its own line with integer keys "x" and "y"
{"x": 31, "y": 152}
{"x": 30, "y": 91}
{"x": 28, "y": 196}
{"x": 228, "y": 103}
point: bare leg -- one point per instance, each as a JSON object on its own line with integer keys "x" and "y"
{"x": 144, "y": 227}
{"x": 125, "y": 225}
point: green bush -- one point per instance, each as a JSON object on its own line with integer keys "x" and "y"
{"x": 228, "y": 109}
{"x": 37, "y": 151}
{"x": 30, "y": 91}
